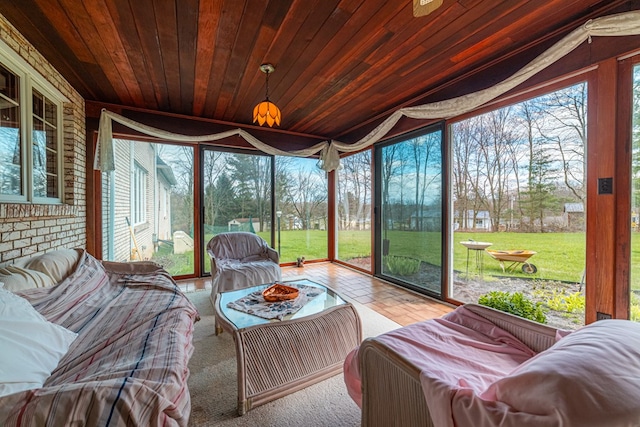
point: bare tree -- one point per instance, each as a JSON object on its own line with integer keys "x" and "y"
{"x": 496, "y": 168}
{"x": 392, "y": 166}
{"x": 252, "y": 176}
{"x": 566, "y": 126}
{"x": 180, "y": 159}
{"x": 308, "y": 195}
{"x": 426, "y": 151}
{"x": 285, "y": 183}
{"x": 469, "y": 170}
{"x": 462, "y": 149}
{"x": 354, "y": 189}
{"x": 516, "y": 158}
{"x": 215, "y": 193}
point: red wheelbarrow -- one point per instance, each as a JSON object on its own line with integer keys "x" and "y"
{"x": 515, "y": 258}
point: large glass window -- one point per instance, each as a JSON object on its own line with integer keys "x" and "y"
{"x": 353, "y": 191}
{"x": 237, "y": 194}
{"x": 45, "y": 145}
{"x": 301, "y": 209}
{"x": 518, "y": 203}
{"x": 147, "y": 205}
{"x": 409, "y": 202}
{"x": 36, "y": 131}
{"x": 139, "y": 194}
{"x": 10, "y": 134}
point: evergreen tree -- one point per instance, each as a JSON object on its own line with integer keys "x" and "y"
{"x": 539, "y": 199}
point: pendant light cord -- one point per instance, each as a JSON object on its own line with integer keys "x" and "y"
{"x": 267, "y": 85}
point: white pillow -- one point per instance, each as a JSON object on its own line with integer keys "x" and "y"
{"x": 31, "y": 346}
{"x": 57, "y": 264}
{"x": 591, "y": 377}
{"x": 17, "y": 278}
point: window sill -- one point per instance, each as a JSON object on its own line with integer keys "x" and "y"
{"x": 32, "y": 211}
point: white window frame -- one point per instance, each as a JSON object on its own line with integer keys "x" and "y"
{"x": 139, "y": 178}
{"x": 30, "y": 79}
{"x": 15, "y": 104}
{"x": 58, "y": 148}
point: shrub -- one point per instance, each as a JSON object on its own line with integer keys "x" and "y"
{"x": 555, "y": 300}
{"x": 558, "y": 299}
{"x": 514, "y": 303}
{"x": 575, "y": 303}
{"x": 402, "y": 266}
{"x": 634, "y": 308}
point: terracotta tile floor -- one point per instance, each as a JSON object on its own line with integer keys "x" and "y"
{"x": 398, "y": 304}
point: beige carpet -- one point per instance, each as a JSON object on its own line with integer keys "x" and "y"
{"x": 213, "y": 388}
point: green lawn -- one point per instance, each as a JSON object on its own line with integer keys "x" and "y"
{"x": 354, "y": 244}
{"x": 175, "y": 264}
{"x": 560, "y": 256}
{"x": 310, "y": 244}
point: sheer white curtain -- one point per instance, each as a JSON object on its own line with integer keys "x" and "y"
{"x": 623, "y": 24}
{"x": 104, "y": 159}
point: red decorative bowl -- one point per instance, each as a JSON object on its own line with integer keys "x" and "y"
{"x": 279, "y": 292}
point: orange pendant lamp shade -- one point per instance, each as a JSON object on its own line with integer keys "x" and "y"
{"x": 266, "y": 111}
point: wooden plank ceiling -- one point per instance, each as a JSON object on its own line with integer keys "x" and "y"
{"x": 339, "y": 63}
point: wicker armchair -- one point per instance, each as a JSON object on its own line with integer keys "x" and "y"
{"x": 392, "y": 394}
{"x": 240, "y": 260}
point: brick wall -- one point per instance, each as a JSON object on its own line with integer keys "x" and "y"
{"x": 27, "y": 229}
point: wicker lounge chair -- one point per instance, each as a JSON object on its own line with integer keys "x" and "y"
{"x": 392, "y": 394}
{"x": 478, "y": 366}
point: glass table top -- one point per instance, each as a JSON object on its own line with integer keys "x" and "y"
{"x": 327, "y": 299}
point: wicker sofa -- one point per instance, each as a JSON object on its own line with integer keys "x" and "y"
{"x": 564, "y": 368}
{"x": 94, "y": 344}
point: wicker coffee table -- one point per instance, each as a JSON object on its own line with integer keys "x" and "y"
{"x": 279, "y": 357}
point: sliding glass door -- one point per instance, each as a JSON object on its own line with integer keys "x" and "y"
{"x": 147, "y": 205}
{"x": 353, "y": 210}
{"x": 301, "y": 209}
{"x": 237, "y": 189}
{"x": 409, "y": 189}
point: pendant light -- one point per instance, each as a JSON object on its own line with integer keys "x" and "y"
{"x": 266, "y": 111}
{"x": 425, "y": 7}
